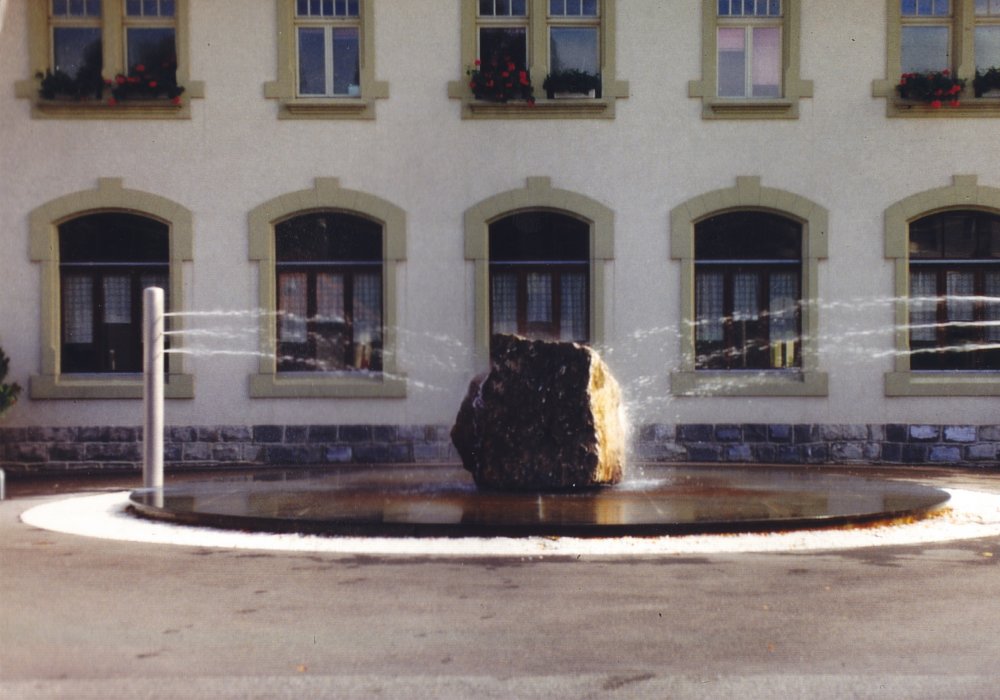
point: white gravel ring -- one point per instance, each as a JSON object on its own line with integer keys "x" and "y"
{"x": 967, "y": 515}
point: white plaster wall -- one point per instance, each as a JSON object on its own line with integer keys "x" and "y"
{"x": 234, "y": 154}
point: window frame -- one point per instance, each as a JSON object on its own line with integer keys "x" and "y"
{"x": 114, "y": 26}
{"x": 794, "y": 88}
{"x": 326, "y": 195}
{"x": 538, "y": 23}
{"x": 109, "y": 196}
{"x": 964, "y": 194}
{"x": 962, "y": 27}
{"x": 748, "y": 195}
{"x": 538, "y": 195}
{"x": 285, "y": 87}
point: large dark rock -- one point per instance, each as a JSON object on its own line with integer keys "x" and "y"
{"x": 546, "y": 417}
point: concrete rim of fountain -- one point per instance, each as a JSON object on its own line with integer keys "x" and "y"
{"x": 408, "y": 501}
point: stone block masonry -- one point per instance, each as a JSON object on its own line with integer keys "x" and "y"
{"x": 40, "y": 450}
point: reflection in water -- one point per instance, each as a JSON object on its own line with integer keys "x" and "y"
{"x": 409, "y": 500}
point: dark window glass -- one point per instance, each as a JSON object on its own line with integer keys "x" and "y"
{"x": 106, "y": 260}
{"x": 540, "y": 276}
{"x": 955, "y": 291}
{"x": 748, "y": 292}
{"x": 329, "y": 292}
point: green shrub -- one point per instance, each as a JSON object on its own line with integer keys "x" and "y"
{"x": 8, "y": 392}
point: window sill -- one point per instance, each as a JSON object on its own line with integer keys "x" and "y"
{"x": 973, "y": 107}
{"x": 328, "y": 108}
{"x": 739, "y": 108}
{"x": 70, "y": 108}
{"x": 955, "y": 383}
{"x": 103, "y": 386}
{"x": 559, "y": 107}
{"x": 322, "y": 386}
{"x": 749, "y": 383}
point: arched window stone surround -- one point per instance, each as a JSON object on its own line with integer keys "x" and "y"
{"x": 538, "y": 194}
{"x": 749, "y": 195}
{"x": 964, "y": 193}
{"x": 109, "y": 196}
{"x": 326, "y": 195}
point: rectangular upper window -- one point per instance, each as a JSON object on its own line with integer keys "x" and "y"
{"x": 538, "y": 59}
{"x": 943, "y": 58}
{"x": 329, "y": 48}
{"x": 326, "y": 60}
{"x": 750, "y": 64}
{"x": 109, "y": 59}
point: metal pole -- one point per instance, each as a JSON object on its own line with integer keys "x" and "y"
{"x": 152, "y": 396}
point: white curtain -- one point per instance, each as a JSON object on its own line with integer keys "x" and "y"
{"x": 504, "y": 303}
{"x": 573, "y": 298}
{"x": 292, "y": 307}
{"x": 78, "y": 309}
{"x": 708, "y": 306}
{"x": 923, "y": 306}
{"x": 784, "y": 298}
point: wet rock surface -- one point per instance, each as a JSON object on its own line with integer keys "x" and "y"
{"x": 546, "y": 417}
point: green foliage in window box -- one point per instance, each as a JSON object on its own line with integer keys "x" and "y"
{"x": 8, "y": 392}
{"x": 60, "y": 85}
{"x": 147, "y": 83}
{"x": 500, "y": 81}
{"x": 936, "y": 88}
{"x": 986, "y": 80}
{"x": 572, "y": 81}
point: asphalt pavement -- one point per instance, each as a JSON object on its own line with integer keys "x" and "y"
{"x": 90, "y": 618}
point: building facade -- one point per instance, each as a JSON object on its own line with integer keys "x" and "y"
{"x": 778, "y": 220}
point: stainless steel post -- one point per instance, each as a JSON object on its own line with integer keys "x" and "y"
{"x": 152, "y": 396}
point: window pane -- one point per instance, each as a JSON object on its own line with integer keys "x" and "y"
{"x": 708, "y": 306}
{"x": 292, "y": 307}
{"x": 573, "y": 302}
{"x": 766, "y": 62}
{"x": 345, "y": 61}
{"x": 504, "y": 303}
{"x": 539, "y": 309}
{"x": 574, "y": 48}
{"x": 330, "y": 297}
{"x": 312, "y": 65}
{"x": 987, "y": 47}
{"x": 732, "y": 62}
{"x": 991, "y": 289}
{"x": 539, "y": 235}
{"x": 151, "y": 47}
{"x": 746, "y": 306}
{"x": 924, "y": 49}
{"x": 960, "y": 303}
{"x": 923, "y": 306}
{"x": 117, "y": 299}
{"x": 77, "y": 51}
{"x": 77, "y": 309}
{"x": 367, "y": 320}
{"x": 498, "y": 44}
{"x": 328, "y": 236}
{"x": 784, "y": 295}
{"x": 133, "y": 8}
{"x": 748, "y": 235}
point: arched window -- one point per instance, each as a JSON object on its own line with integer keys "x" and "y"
{"x": 748, "y": 281}
{"x": 329, "y": 293}
{"x": 328, "y": 260}
{"x": 105, "y": 261}
{"x": 539, "y": 272}
{"x": 955, "y": 291}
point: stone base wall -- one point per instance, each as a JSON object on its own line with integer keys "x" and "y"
{"x": 60, "y": 450}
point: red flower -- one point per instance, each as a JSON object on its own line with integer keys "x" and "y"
{"x": 478, "y": 62}
{"x": 953, "y": 103}
{"x": 120, "y": 79}
{"x": 505, "y": 74}
{"x": 523, "y": 77}
{"x": 946, "y": 72}
{"x": 936, "y": 104}
{"x": 112, "y": 101}
{"x": 176, "y": 100}
{"x": 141, "y": 68}
{"x": 152, "y": 83}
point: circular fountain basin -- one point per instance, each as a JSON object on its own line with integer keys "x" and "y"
{"x": 420, "y": 501}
